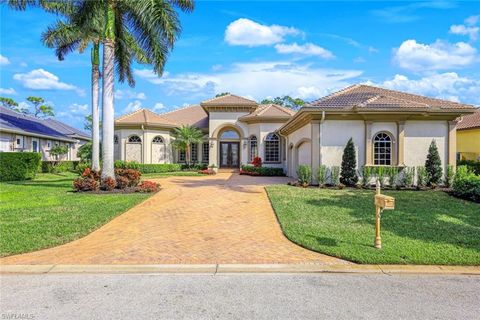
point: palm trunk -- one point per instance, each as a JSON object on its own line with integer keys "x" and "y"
{"x": 95, "y": 111}
{"x": 108, "y": 100}
{"x": 187, "y": 155}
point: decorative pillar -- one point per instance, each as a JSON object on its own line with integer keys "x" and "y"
{"x": 368, "y": 143}
{"x": 452, "y": 143}
{"x": 401, "y": 143}
{"x": 315, "y": 145}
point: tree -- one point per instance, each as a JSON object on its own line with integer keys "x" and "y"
{"x": 285, "y": 101}
{"x": 41, "y": 110}
{"x": 88, "y": 123}
{"x": 9, "y": 103}
{"x": 222, "y": 94}
{"x": 184, "y": 137}
{"x": 348, "y": 174}
{"x": 58, "y": 150}
{"x": 433, "y": 165}
{"x": 154, "y": 25}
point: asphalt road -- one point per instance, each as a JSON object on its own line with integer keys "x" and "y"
{"x": 239, "y": 296}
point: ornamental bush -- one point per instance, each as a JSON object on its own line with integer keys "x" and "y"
{"x": 348, "y": 174}
{"x": 433, "y": 165}
{"x": 304, "y": 174}
{"x": 16, "y": 166}
{"x": 147, "y": 186}
{"x": 152, "y": 168}
{"x": 261, "y": 171}
{"x": 108, "y": 184}
{"x": 466, "y": 184}
{"x": 335, "y": 175}
{"x": 85, "y": 184}
{"x": 473, "y": 165}
{"x": 132, "y": 175}
{"x": 257, "y": 162}
{"x": 322, "y": 175}
{"x": 59, "y": 166}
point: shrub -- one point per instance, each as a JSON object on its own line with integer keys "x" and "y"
{"x": 335, "y": 175}
{"x": 126, "y": 164}
{"x": 304, "y": 174}
{"x": 207, "y": 172}
{"x": 257, "y": 162}
{"x": 132, "y": 175}
{"x": 392, "y": 173}
{"x": 466, "y": 184}
{"x": 367, "y": 173}
{"x": 147, "y": 186}
{"x": 381, "y": 173}
{"x": 408, "y": 176}
{"x": 122, "y": 182}
{"x": 433, "y": 165}
{"x": 421, "y": 177}
{"x": 473, "y": 165}
{"x": 85, "y": 184}
{"x": 81, "y": 167}
{"x": 151, "y": 168}
{"x": 194, "y": 167}
{"x": 108, "y": 184}
{"x": 348, "y": 175}
{"x": 449, "y": 176}
{"x": 19, "y": 165}
{"x": 322, "y": 175}
{"x": 59, "y": 166}
{"x": 261, "y": 171}
{"x": 89, "y": 173}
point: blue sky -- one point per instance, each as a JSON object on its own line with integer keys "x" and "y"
{"x": 265, "y": 49}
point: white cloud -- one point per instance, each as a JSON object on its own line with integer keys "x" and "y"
{"x": 245, "y": 32}
{"x": 308, "y": 49}
{"x": 40, "y": 79}
{"x": 468, "y": 29}
{"x": 472, "y": 20}
{"x": 255, "y": 80}
{"x": 9, "y": 91}
{"x": 129, "y": 94}
{"x": 4, "y": 60}
{"x": 439, "y": 55}
{"x": 158, "y": 107}
{"x": 23, "y": 64}
{"x": 448, "y": 85}
{"x": 24, "y": 106}
{"x": 79, "y": 109}
{"x": 133, "y": 106}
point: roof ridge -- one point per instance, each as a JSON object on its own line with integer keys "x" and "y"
{"x": 178, "y": 109}
{"x": 336, "y": 93}
{"x": 129, "y": 114}
{"x": 287, "y": 110}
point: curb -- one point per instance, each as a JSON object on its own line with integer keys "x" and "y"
{"x": 239, "y": 268}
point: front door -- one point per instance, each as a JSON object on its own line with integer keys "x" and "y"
{"x": 229, "y": 155}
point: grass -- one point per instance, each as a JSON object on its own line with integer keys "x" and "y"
{"x": 427, "y": 227}
{"x": 171, "y": 174}
{"x": 45, "y": 212}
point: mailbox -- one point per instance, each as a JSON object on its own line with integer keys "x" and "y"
{"x": 384, "y": 202}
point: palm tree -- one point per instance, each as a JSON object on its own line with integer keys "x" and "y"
{"x": 184, "y": 137}
{"x": 155, "y": 27}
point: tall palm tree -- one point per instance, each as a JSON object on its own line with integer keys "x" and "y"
{"x": 155, "y": 27}
{"x": 184, "y": 137}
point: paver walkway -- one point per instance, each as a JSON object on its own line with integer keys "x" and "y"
{"x": 226, "y": 218}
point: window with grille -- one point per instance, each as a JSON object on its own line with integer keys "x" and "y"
{"x": 181, "y": 156}
{"x": 253, "y": 148}
{"x": 272, "y": 148}
{"x": 193, "y": 152}
{"x": 205, "y": 151}
{"x": 382, "y": 149}
{"x": 157, "y": 139}
{"x": 134, "y": 139}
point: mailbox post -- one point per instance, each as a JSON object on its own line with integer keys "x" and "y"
{"x": 382, "y": 202}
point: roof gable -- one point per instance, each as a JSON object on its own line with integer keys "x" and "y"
{"x": 269, "y": 111}
{"x": 144, "y": 116}
{"x": 228, "y": 100}
{"x": 192, "y": 115}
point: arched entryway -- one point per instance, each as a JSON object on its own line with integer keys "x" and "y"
{"x": 229, "y": 147}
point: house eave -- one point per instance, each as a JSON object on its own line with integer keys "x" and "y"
{"x": 36, "y": 135}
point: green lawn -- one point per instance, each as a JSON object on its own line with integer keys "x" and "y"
{"x": 45, "y": 212}
{"x": 428, "y": 227}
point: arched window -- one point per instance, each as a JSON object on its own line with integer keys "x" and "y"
{"x": 115, "y": 139}
{"x": 157, "y": 139}
{"x": 253, "y": 147}
{"x": 382, "y": 149}
{"x": 229, "y": 134}
{"x": 272, "y": 148}
{"x": 134, "y": 139}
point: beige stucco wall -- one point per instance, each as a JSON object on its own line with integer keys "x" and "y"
{"x": 419, "y": 135}
{"x": 293, "y": 141}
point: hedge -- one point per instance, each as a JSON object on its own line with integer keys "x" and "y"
{"x": 58, "y": 166}
{"x": 473, "y": 165}
{"x": 148, "y": 168}
{"x": 264, "y": 171}
{"x": 19, "y": 165}
{"x": 466, "y": 184}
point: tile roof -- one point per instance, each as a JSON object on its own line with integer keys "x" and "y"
{"x": 18, "y": 122}
{"x": 144, "y": 116}
{"x": 366, "y": 97}
{"x": 193, "y": 115}
{"x": 470, "y": 121}
{"x": 228, "y": 100}
{"x": 269, "y": 110}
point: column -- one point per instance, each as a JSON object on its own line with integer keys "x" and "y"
{"x": 452, "y": 143}
{"x": 368, "y": 143}
{"x": 401, "y": 143}
{"x": 315, "y": 145}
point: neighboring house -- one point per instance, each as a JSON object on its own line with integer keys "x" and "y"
{"x": 20, "y": 132}
{"x": 388, "y": 128}
{"x": 468, "y": 137}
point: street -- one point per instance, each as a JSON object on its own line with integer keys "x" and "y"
{"x": 239, "y": 296}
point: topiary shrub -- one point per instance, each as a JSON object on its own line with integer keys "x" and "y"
{"x": 433, "y": 165}
{"x": 348, "y": 174}
{"x": 16, "y": 166}
{"x": 304, "y": 175}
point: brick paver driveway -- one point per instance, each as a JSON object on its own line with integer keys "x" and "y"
{"x": 224, "y": 218}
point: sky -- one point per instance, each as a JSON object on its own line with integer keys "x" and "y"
{"x": 263, "y": 49}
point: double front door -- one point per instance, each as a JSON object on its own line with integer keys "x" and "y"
{"x": 229, "y": 155}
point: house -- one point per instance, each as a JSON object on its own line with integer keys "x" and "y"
{"x": 388, "y": 128}
{"x": 20, "y": 132}
{"x": 468, "y": 137}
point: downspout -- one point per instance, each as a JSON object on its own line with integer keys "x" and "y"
{"x": 144, "y": 150}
